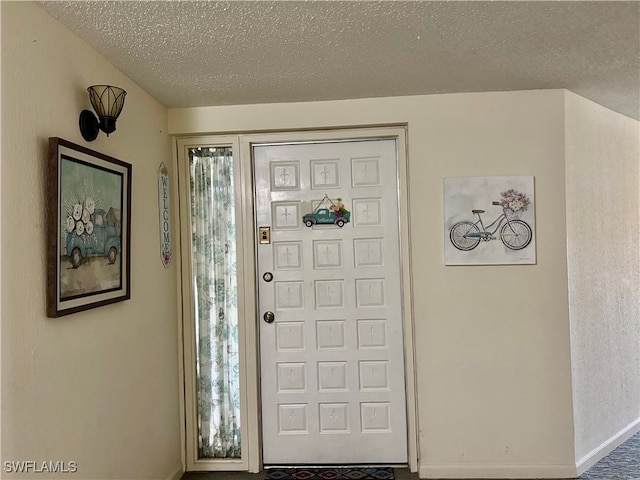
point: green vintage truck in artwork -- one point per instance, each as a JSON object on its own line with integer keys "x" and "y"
{"x": 335, "y": 213}
{"x": 96, "y": 237}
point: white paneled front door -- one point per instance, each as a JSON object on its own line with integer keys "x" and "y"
{"x": 330, "y": 305}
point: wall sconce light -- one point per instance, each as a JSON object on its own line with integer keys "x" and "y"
{"x": 107, "y": 101}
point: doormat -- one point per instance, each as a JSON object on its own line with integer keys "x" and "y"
{"x": 356, "y": 473}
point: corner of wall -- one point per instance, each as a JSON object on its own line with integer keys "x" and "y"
{"x": 177, "y": 474}
{"x": 603, "y": 279}
{"x": 605, "y": 448}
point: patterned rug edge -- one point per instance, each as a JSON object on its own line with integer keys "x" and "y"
{"x": 356, "y": 473}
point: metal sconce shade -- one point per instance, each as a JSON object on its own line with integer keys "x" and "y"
{"x": 107, "y": 101}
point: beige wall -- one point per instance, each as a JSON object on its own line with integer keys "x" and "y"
{"x": 100, "y": 387}
{"x": 493, "y": 358}
{"x": 602, "y": 150}
{"x": 493, "y": 361}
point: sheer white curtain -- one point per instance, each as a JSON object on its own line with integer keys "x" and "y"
{"x": 215, "y": 291}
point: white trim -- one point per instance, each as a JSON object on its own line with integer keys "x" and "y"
{"x": 250, "y": 330}
{"x": 608, "y": 446}
{"x": 175, "y": 192}
{"x": 396, "y": 132}
{"x": 177, "y": 475}
{"x": 497, "y": 471}
{"x": 192, "y": 462}
{"x": 251, "y": 411}
{"x": 407, "y": 299}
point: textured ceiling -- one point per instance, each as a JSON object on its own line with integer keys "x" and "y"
{"x": 196, "y": 53}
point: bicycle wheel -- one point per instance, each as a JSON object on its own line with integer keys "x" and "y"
{"x": 460, "y": 236}
{"x": 516, "y": 234}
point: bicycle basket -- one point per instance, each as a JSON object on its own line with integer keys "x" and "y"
{"x": 513, "y": 215}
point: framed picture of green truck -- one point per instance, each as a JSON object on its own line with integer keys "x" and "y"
{"x": 88, "y": 236}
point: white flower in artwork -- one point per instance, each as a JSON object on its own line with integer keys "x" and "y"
{"x": 89, "y": 227}
{"x": 515, "y": 200}
{"x": 516, "y": 205}
{"x": 77, "y": 211}
{"x": 79, "y": 228}
{"x": 86, "y": 216}
{"x": 70, "y": 224}
{"x": 90, "y": 205}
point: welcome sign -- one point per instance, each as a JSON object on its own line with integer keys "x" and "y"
{"x": 164, "y": 202}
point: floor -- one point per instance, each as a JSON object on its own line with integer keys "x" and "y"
{"x": 621, "y": 464}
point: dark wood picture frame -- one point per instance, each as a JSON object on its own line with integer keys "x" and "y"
{"x": 88, "y": 229}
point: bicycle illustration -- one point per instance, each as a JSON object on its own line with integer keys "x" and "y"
{"x": 515, "y": 233}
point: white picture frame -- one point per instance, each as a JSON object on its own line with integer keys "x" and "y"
{"x": 489, "y": 220}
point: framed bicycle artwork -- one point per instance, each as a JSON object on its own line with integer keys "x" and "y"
{"x": 489, "y": 220}
{"x": 88, "y": 229}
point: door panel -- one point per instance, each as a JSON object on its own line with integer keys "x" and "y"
{"x": 332, "y": 361}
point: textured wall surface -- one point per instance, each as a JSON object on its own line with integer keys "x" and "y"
{"x": 492, "y": 342}
{"x": 98, "y": 387}
{"x": 604, "y": 264}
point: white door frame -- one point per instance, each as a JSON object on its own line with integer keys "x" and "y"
{"x": 250, "y": 358}
{"x": 187, "y": 350}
